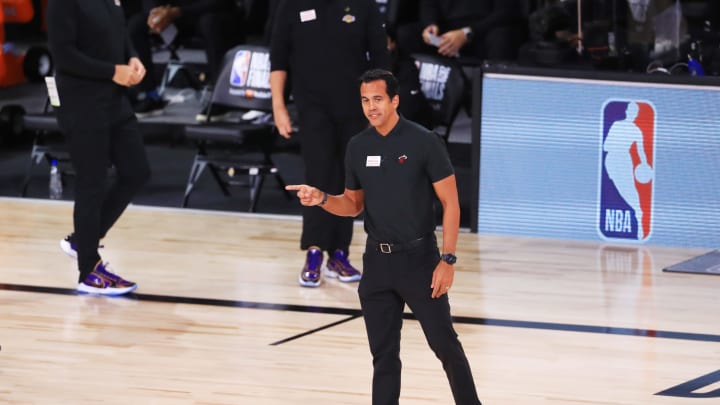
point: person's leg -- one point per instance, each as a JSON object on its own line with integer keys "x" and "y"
{"x": 88, "y": 141}
{"x": 436, "y": 322}
{"x": 132, "y": 170}
{"x": 317, "y": 150}
{"x": 318, "y": 145}
{"x": 382, "y": 312}
{"x": 342, "y": 229}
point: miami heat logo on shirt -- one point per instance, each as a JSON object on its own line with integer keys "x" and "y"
{"x": 627, "y": 170}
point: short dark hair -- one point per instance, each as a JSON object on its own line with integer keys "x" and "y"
{"x": 391, "y": 83}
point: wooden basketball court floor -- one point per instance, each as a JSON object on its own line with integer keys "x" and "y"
{"x": 219, "y": 318}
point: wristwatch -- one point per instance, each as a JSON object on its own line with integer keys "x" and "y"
{"x": 468, "y": 33}
{"x": 449, "y": 258}
{"x": 324, "y": 199}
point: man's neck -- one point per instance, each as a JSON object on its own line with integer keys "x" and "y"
{"x": 389, "y": 125}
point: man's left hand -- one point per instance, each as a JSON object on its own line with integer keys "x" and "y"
{"x": 309, "y": 196}
{"x": 451, "y": 42}
{"x": 442, "y": 279}
{"x": 138, "y": 71}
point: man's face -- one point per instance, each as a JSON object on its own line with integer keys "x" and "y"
{"x": 378, "y": 107}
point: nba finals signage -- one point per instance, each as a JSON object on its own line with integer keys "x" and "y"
{"x": 433, "y": 78}
{"x": 250, "y": 76}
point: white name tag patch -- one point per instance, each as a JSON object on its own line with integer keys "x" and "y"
{"x": 307, "y": 15}
{"x": 372, "y": 161}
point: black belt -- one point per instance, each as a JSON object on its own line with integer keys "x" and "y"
{"x": 392, "y": 247}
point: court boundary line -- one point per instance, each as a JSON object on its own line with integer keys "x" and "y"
{"x": 357, "y": 313}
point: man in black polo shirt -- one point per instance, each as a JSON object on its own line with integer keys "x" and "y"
{"x": 394, "y": 170}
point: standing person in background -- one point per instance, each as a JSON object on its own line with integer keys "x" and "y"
{"x": 415, "y": 105}
{"x": 95, "y": 64}
{"x": 323, "y": 46}
{"x": 394, "y": 171}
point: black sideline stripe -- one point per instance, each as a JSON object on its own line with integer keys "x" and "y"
{"x": 356, "y": 313}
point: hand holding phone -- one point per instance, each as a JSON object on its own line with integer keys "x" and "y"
{"x": 434, "y": 39}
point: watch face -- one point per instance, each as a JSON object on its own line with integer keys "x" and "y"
{"x": 449, "y": 258}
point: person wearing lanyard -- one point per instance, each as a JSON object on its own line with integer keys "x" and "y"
{"x": 394, "y": 170}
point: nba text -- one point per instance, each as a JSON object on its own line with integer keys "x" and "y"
{"x": 618, "y": 221}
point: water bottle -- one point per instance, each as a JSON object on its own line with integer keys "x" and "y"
{"x": 612, "y": 50}
{"x": 55, "y": 181}
{"x": 695, "y": 59}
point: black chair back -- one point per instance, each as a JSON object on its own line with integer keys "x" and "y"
{"x": 244, "y": 82}
{"x": 444, "y": 84}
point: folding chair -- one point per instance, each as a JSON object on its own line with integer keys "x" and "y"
{"x": 445, "y": 86}
{"x": 42, "y": 125}
{"x": 236, "y": 149}
{"x": 175, "y": 65}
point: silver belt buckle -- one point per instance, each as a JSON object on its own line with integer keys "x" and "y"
{"x": 385, "y": 248}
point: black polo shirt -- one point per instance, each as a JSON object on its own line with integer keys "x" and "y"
{"x": 326, "y": 45}
{"x": 396, "y": 173}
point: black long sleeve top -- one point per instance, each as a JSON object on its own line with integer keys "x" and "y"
{"x": 326, "y": 45}
{"x": 87, "y": 38}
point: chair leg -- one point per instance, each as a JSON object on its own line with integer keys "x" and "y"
{"x": 194, "y": 81}
{"x": 28, "y": 176}
{"x": 255, "y": 182}
{"x": 278, "y": 177}
{"x": 174, "y": 68}
{"x": 218, "y": 179}
{"x": 282, "y": 185}
{"x": 170, "y": 71}
{"x": 37, "y": 155}
{"x": 197, "y": 168}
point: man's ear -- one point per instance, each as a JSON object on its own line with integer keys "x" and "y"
{"x": 395, "y": 100}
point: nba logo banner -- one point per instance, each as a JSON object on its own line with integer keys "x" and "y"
{"x": 250, "y": 75}
{"x": 627, "y": 170}
{"x": 240, "y": 68}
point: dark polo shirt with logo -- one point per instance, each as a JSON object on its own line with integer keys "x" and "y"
{"x": 396, "y": 173}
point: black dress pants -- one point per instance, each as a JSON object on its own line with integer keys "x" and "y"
{"x": 105, "y": 135}
{"x": 323, "y": 140}
{"x": 389, "y": 282}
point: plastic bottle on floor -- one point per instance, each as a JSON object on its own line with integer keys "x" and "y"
{"x": 56, "y": 188}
